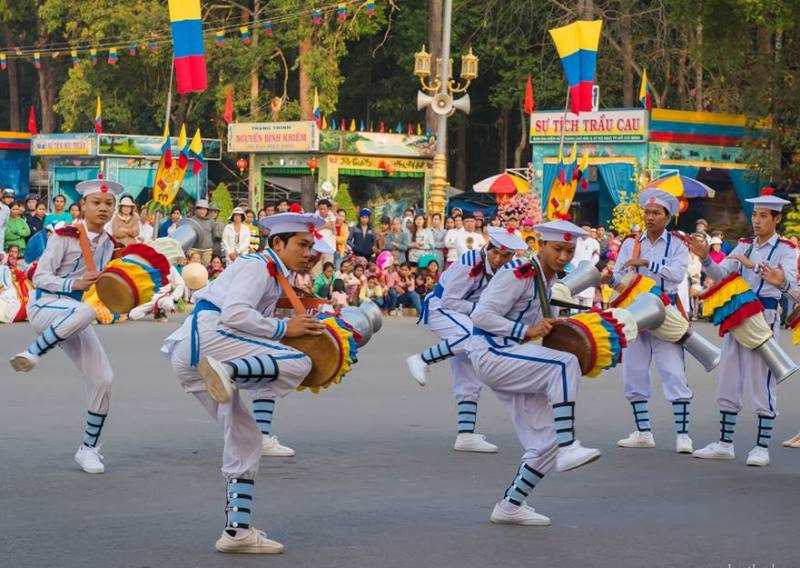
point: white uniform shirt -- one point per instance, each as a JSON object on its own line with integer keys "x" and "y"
{"x": 459, "y": 288}
{"x": 668, "y": 260}
{"x": 587, "y": 249}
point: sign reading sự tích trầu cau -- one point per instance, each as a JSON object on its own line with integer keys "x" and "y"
{"x": 63, "y": 145}
{"x": 602, "y": 126}
{"x": 266, "y": 137}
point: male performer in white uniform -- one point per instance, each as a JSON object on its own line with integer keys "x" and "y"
{"x": 56, "y": 312}
{"x": 659, "y": 255}
{"x": 587, "y": 248}
{"x": 446, "y": 313}
{"x": 537, "y": 384}
{"x": 232, "y": 342}
{"x": 740, "y": 366}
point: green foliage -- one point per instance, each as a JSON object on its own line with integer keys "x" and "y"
{"x": 345, "y": 202}
{"x": 791, "y": 221}
{"x": 222, "y": 197}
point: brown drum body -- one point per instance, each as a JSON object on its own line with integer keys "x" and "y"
{"x": 793, "y": 317}
{"x": 566, "y": 336}
{"x": 326, "y": 358}
{"x": 115, "y": 292}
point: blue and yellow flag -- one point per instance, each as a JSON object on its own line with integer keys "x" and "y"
{"x": 577, "y": 45}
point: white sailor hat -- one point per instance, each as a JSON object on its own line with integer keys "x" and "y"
{"x": 662, "y": 198}
{"x": 291, "y": 223}
{"x": 88, "y": 187}
{"x": 562, "y": 231}
{"x": 768, "y": 201}
{"x": 506, "y": 239}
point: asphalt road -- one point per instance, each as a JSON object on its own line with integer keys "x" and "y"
{"x": 375, "y": 482}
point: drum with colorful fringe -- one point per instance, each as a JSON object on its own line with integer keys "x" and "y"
{"x": 595, "y": 337}
{"x": 793, "y": 321}
{"x": 332, "y": 354}
{"x": 103, "y": 315}
{"x": 675, "y": 326}
{"x": 132, "y": 279}
{"x": 734, "y": 307}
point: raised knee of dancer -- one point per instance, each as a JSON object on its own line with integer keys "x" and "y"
{"x": 85, "y": 314}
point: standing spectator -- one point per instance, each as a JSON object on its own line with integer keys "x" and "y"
{"x": 125, "y": 223}
{"x": 216, "y": 230}
{"x": 342, "y": 234}
{"x": 9, "y": 197}
{"x": 402, "y": 291}
{"x": 362, "y": 239}
{"x": 283, "y": 206}
{"x": 530, "y": 252}
{"x": 5, "y": 213}
{"x": 701, "y": 228}
{"x": 451, "y": 240}
{"x": 716, "y": 253}
{"x": 325, "y": 210}
{"x": 58, "y": 214}
{"x": 36, "y": 221}
{"x": 31, "y": 202}
{"x": 385, "y": 227}
{"x": 602, "y": 238}
{"x": 74, "y": 213}
{"x": 586, "y": 249}
{"x": 396, "y": 241}
{"x": 235, "y": 236}
{"x": 146, "y": 229}
{"x": 469, "y": 238}
{"x": 438, "y": 233}
{"x": 269, "y": 210}
{"x": 694, "y": 270}
{"x": 205, "y": 241}
{"x": 168, "y": 227}
{"x": 17, "y": 230}
{"x": 420, "y": 241}
{"x": 255, "y": 232}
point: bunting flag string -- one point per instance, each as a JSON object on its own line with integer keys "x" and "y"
{"x": 155, "y": 41}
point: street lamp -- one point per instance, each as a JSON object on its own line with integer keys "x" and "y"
{"x": 442, "y": 87}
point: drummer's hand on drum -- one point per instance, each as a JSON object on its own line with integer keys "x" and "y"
{"x": 541, "y": 328}
{"x": 86, "y": 282}
{"x": 304, "y": 324}
{"x": 773, "y": 275}
{"x": 698, "y": 246}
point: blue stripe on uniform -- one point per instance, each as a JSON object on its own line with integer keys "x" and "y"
{"x": 560, "y": 364}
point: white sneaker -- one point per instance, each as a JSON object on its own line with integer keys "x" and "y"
{"x": 683, "y": 444}
{"x": 473, "y": 443}
{"x": 716, "y": 451}
{"x": 24, "y": 362}
{"x": 574, "y": 456}
{"x": 638, "y": 439}
{"x": 270, "y": 446}
{"x": 758, "y": 456}
{"x": 217, "y": 379}
{"x": 418, "y": 369}
{"x": 90, "y": 459}
{"x": 505, "y": 513}
{"x": 254, "y": 542}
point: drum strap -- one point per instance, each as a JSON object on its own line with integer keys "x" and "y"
{"x": 541, "y": 289}
{"x": 88, "y": 258}
{"x": 291, "y": 295}
{"x": 637, "y": 249}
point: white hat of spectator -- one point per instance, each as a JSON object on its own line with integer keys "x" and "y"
{"x": 768, "y": 201}
{"x": 559, "y": 231}
{"x": 127, "y": 200}
{"x": 506, "y": 239}
{"x": 292, "y": 223}
{"x": 236, "y": 211}
{"x": 716, "y": 241}
{"x": 661, "y": 198}
{"x": 201, "y": 204}
{"x": 88, "y": 187}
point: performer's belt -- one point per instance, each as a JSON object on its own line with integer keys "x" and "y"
{"x": 490, "y": 338}
{"x": 438, "y": 292}
{"x": 77, "y": 295}
{"x": 199, "y": 307}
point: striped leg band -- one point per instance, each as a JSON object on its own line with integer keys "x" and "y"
{"x": 564, "y": 414}
{"x": 262, "y": 412}
{"x": 523, "y": 484}
{"x": 239, "y": 503}
{"x": 641, "y": 414}
{"x": 256, "y": 369}
{"x": 727, "y": 425}
{"x": 467, "y": 416}
{"x": 45, "y": 342}
{"x": 764, "y": 430}
{"x": 680, "y": 412}
{"x": 94, "y": 425}
{"x": 438, "y": 352}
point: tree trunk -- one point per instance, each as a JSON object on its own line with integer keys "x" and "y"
{"x": 306, "y": 102}
{"x": 502, "y": 126}
{"x": 461, "y": 154}
{"x": 47, "y": 96}
{"x": 14, "y": 111}
{"x": 435, "y": 16}
{"x": 254, "y": 91}
{"x": 523, "y": 137}
{"x": 308, "y": 193}
{"x": 698, "y": 66}
{"x": 769, "y": 80}
{"x": 682, "y": 56}
{"x": 627, "y": 57}
{"x": 586, "y": 9}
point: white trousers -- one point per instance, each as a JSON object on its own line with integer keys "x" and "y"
{"x": 529, "y": 379}
{"x": 456, "y": 329}
{"x": 72, "y": 321}
{"x": 740, "y": 367}
{"x": 241, "y": 451}
{"x": 669, "y": 360}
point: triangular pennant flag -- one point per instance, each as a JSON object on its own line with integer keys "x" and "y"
{"x": 343, "y": 124}
{"x": 333, "y": 124}
{"x": 32, "y": 128}
{"x": 3, "y": 62}
{"x": 341, "y": 11}
{"x": 361, "y": 126}
{"x": 399, "y": 128}
{"x": 317, "y": 112}
{"x": 268, "y": 28}
{"x": 228, "y": 112}
{"x": 93, "y": 56}
{"x": 74, "y": 55}
{"x": 419, "y": 129}
{"x": 244, "y": 33}
{"x": 410, "y": 129}
{"x": 196, "y": 152}
{"x": 37, "y": 60}
{"x": 183, "y": 149}
{"x": 371, "y": 8}
{"x": 530, "y": 103}
{"x": 324, "y": 124}
{"x": 112, "y": 56}
{"x": 382, "y": 127}
{"x": 352, "y": 125}
{"x": 98, "y": 117}
{"x": 219, "y": 38}
{"x": 316, "y": 17}
{"x": 132, "y": 50}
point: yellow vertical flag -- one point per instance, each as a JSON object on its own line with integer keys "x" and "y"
{"x": 196, "y": 147}
{"x": 419, "y": 129}
{"x": 353, "y": 125}
{"x": 182, "y": 138}
{"x": 324, "y": 124}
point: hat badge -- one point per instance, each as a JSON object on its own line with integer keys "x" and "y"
{"x": 567, "y": 237}
{"x": 651, "y": 200}
{"x": 104, "y": 188}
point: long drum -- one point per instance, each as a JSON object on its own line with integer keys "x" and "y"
{"x": 133, "y": 278}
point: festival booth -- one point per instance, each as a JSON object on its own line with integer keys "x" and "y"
{"x": 15, "y": 161}
{"x": 128, "y": 159}
{"x": 628, "y": 147}
{"x": 384, "y": 171}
